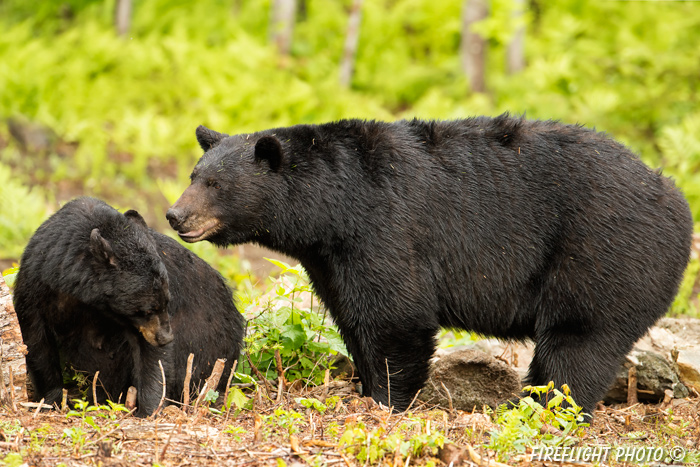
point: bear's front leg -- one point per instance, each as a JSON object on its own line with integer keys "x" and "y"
{"x": 147, "y": 375}
{"x": 392, "y": 358}
{"x": 43, "y": 362}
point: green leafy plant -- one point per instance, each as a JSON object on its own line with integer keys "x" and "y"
{"x": 313, "y": 403}
{"x": 235, "y": 431}
{"x": 10, "y": 275}
{"x": 303, "y": 337}
{"x": 77, "y": 435}
{"x": 236, "y": 398}
{"x": 526, "y": 423}
{"x": 373, "y": 446}
{"x": 287, "y": 420}
{"x": 211, "y": 396}
{"x": 12, "y": 459}
{"x": 86, "y": 412}
{"x": 11, "y": 428}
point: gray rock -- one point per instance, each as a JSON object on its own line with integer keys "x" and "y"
{"x": 689, "y": 367}
{"x": 655, "y": 374}
{"x": 686, "y": 329}
{"x": 473, "y": 379}
{"x": 681, "y": 335}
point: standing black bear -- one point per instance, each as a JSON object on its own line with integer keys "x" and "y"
{"x": 506, "y": 227}
{"x": 100, "y": 291}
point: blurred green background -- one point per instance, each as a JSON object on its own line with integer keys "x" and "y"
{"x": 85, "y": 110}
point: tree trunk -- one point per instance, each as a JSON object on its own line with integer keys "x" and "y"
{"x": 13, "y": 367}
{"x": 236, "y": 7}
{"x": 347, "y": 65}
{"x": 303, "y": 10}
{"x": 282, "y": 24}
{"x": 122, "y": 16}
{"x": 473, "y": 46}
{"x": 516, "y": 48}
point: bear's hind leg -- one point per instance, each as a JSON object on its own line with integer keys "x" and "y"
{"x": 586, "y": 362}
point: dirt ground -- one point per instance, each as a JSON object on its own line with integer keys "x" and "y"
{"x": 268, "y": 435}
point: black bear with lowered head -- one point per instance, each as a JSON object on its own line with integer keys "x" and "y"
{"x": 98, "y": 290}
{"x": 503, "y": 226}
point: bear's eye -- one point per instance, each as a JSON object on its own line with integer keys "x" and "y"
{"x": 214, "y": 184}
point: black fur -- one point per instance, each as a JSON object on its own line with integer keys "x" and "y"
{"x": 90, "y": 277}
{"x": 503, "y": 226}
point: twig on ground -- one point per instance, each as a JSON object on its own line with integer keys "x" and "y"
{"x": 403, "y": 414}
{"x": 162, "y": 397}
{"x": 326, "y": 385}
{"x": 632, "y": 386}
{"x": 94, "y": 387}
{"x": 228, "y": 387}
{"x": 213, "y": 381}
{"x": 388, "y": 384}
{"x": 259, "y": 375}
{"x": 449, "y": 396}
{"x": 167, "y": 442}
{"x": 64, "y": 400}
{"x": 281, "y": 386}
{"x": 35, "y": 405}
{"x": 130, "y": 401}
{"x": 39, "y": 406}
{"x": 188, "y": 377}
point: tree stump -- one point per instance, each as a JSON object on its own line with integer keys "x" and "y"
{"x": 13, "y": 367}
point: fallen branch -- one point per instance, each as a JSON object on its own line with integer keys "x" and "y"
{"x": 130, "y": 402}
{"x": 36, "y": 405}
{"x": 212, "y": 382}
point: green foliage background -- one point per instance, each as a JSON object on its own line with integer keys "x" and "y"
{"x": 126, "y": 107}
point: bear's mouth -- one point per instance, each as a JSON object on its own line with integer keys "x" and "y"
{"x": 200, "y": 234}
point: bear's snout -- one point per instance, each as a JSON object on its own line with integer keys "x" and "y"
{"x": 164, "y": 336}
{"x": 174, "y": 216}
{"x": 157, "y": 331}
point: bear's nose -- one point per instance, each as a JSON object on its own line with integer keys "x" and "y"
{"x": 173, "y": 217}
{"x": 164, "y": 336}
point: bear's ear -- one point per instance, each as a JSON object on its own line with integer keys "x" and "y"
{"x": 134, "y": 216}
{"x": 268, "y": 148}
{"x": 101, "y": 248}
{"x": 208, "y": 138}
